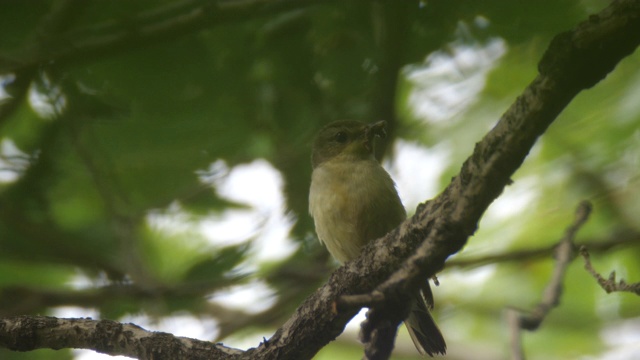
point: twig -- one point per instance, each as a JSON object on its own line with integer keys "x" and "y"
{"x": 513, "y": 321}
{"x": 564, "y": 254}
{"x": 609, "y": 285}
{"x": 625, "y": 237}
{"x": 23, "y": 300}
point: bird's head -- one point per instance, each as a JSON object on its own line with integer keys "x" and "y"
{"x": 346, "y": 140}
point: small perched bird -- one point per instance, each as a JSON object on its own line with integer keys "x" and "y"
{"x": 353, "y": 200}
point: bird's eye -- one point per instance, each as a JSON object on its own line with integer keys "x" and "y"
{"x": 341, "y": 137}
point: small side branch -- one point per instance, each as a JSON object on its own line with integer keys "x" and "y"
{"x": 564, "y": 254}
{"x": 378, "y": 331}
{"x": 609, "y": 285}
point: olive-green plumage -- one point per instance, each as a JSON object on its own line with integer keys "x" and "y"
{"x": 353, "y": 200}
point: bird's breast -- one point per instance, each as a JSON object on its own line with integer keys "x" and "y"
{"x": 352, "y": 203}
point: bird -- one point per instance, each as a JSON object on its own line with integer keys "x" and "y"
{"x": 353, "y": 200}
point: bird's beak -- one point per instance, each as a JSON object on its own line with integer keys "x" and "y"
{"x": 373, "y": 130}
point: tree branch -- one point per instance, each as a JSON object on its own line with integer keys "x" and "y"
{"x": 158, "y": 24}
{"x": 25, "y": 333}
{"x": 574, "y": 61}
{"x": 619, "y": 238}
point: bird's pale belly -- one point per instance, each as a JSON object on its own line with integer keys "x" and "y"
{"x": 352, "y": 205}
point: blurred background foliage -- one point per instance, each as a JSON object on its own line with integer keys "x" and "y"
{"x": 154, "y": 163}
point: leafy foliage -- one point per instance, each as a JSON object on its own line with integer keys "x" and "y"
{"x": 105, "y": 125}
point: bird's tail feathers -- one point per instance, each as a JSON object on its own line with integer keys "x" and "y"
{"x": 423, "y": 330}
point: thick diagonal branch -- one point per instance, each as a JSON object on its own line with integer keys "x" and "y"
{"x": 574, "y": 61}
